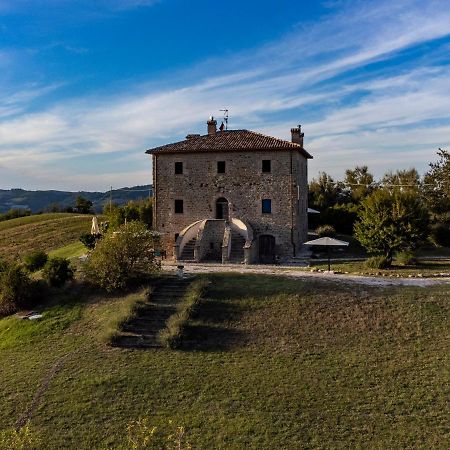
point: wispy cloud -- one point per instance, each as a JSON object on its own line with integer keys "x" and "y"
{"x": 315, "y": 75}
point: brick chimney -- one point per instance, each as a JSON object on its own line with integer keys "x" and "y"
{"x": 212, "y": 125}
{"x": 297, "y": 135}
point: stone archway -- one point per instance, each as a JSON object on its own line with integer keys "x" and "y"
{"x": 222, "y": 209}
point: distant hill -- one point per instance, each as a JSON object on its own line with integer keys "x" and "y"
{"x": 38, "y": 201}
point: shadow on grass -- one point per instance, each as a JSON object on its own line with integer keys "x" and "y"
{"x": 209, "y": 338}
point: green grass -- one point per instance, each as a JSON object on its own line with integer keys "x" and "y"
{"x": 425, "y": 268}
{"x": 272, "y": 363}
{"x": 70, "y": 251}
{"x": 174, "y": 335}
{"x": 41, "y": 232}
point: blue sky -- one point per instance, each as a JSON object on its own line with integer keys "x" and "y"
{"x": 86, "y": 86}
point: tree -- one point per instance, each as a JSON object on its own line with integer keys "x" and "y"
{"x": 436, "y": 187}
{"x": 402, "y": 180}
{"x": 391, "y": 222}
{"x": 83, "y": 205}
{"x": 140, "y": 210}
{"x": 359, "y": 183}
{"x": 324, "y": 192}
{"x": 123, "y": 256}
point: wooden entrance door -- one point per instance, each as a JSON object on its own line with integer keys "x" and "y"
{"x": 266, "y": 249}
{"x": 222, "y": 209}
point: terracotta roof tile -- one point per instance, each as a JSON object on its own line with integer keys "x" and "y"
{"x": 229, "y": 140}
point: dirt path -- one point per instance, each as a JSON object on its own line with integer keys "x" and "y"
{"x": 291, "y": 272}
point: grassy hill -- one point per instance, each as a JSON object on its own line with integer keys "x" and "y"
{"x": 271, "y": 363}
{"x": 41, "y": 232}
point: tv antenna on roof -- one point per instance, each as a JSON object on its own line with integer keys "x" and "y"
{"x": 225, "y": 117}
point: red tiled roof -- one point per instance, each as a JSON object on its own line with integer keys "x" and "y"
{"x": 229, "y": 140}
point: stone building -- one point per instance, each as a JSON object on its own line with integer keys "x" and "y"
{"x": 231, "y": 196}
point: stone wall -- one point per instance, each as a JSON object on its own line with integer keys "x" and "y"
{"x": 243, "y": 184}
{"x": 210, "y": 240}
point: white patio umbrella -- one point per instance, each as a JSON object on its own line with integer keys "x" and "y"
{"x": 327, "y": 242}
{"x": 313, "y": 211}
{"x": 94, "y": 228}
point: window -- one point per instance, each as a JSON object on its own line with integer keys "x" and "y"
{"x": 266, "y": 163}
{"x": 266, "y": 206}
{"x": 178, "y": 168}
{"x": 220, "y": 166}
{"x": 178, "y": 206}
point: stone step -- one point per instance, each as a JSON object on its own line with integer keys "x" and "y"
{"x": 142, "y": 331}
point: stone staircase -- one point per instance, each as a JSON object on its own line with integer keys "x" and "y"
{"x": 188, "y": 251}
{"x": 237, "y": 248}
{"x": 143, "y": 329}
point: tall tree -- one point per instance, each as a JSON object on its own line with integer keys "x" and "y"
{"x": 402, "y": 180}
{"x": 359, "y": 183}
{"x": 436, "y": 187}
{"x": 324, "y": 191}
{"x": 83, "y": 205}
{"x": 390, "y": 222}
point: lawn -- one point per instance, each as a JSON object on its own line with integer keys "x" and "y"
{"x": 41, "y": 232}
{"x": 423, "y": 268}
{"x": 270, "y": 363}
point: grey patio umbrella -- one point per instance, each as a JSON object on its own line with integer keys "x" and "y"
{"x": 327, "y": 242}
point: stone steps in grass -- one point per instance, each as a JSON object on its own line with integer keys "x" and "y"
{"x": 143, "y": 329}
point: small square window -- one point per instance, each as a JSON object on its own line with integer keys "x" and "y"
{"x": 178, "y": 206}
{"x": 220, "y": 166}
{"x": 266, "y": 206}
{"x": 178, "y": 168}
{"x": 266, "y": 165}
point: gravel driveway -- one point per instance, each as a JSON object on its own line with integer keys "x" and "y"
{"x": 293, "y": 272}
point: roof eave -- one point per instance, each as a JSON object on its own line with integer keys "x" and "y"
{"x": 157, "y": 151}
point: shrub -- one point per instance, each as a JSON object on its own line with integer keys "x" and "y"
{"x": 35, "y": 261}
{"x": 341, "y": 217}
{"x": 90, "y": 240}
{"x": 378, "y": 262}
{"x": 16, "y": 289}
{"x": 122, "y": 257}
{"x": 406, "y": 258}
{"x": 23, "y": 438}
{"x": 326, "y": 231}
{"x": 57, "y": 271}
{"x": 440, "y": 235}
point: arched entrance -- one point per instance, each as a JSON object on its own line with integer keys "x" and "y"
{"x": 222, "y": 209}
{"x": 266, "y": 249}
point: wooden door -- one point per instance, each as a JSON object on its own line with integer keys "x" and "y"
{"x": 266, "y": 249}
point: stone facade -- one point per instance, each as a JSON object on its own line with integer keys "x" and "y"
{"x": 200, "y": 192}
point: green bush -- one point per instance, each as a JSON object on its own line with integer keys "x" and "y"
{"x": 123, "y": 256}
{"x": 35, "y": 261}
{"x": 341, "y": 217}
{"x": 57, "y": 271}
{"x": 406, "y": 258}
{"x": 16, "y": 289}
{"x": 440, "y": 235}
{"x": 90, "y": 240}
{"x": 326, "y": 231}
{"x": 378, "y": 262}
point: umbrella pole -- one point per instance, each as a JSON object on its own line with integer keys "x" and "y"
{"x": 328, "y": 249}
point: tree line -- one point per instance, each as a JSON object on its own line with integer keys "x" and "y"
{"x": 398, "y": 212}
